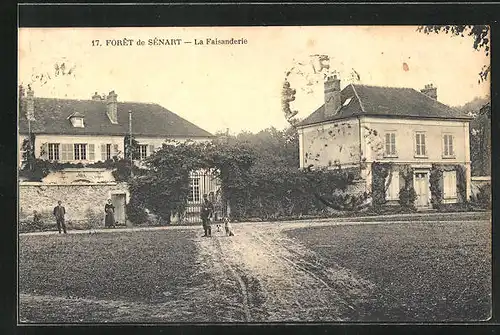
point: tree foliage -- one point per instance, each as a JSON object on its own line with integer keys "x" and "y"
{"x": 479, "y": 34}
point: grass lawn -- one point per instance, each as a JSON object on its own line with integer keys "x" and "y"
{"x": 108, "y": 271}
{"x": 421, "y": 271}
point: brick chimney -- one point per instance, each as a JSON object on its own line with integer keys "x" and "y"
{"x": 332, "y": 95}
{"x": 430, "y": 91}
{"x": 30, "y": 104}
{"x": 96, "y": 97}
{"x": 112, "y": 107}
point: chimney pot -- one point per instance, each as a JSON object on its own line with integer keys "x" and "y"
{"x": 96, "y": 97}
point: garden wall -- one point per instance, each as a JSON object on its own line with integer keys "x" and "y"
{"x": 479, "y": 182}
{"x": 80, "y": 200}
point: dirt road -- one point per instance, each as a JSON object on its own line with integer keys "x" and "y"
{"x": 260, "y": 275}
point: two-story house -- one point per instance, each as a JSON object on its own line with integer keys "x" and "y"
{"x": 361, "y": 124}
{"x": 88, "y": 131}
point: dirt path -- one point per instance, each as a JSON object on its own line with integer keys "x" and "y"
{"x": 274, "y": 278}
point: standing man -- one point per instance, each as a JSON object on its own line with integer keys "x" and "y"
{"x": 207, "y": 208}
{"x": 59, "y": 213}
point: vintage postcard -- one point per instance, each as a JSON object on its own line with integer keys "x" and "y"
{"x": 254, "y": 174}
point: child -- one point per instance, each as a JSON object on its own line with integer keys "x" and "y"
{"x": 227, "y": 227}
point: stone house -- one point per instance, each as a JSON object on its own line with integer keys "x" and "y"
{"x": 410, "y": 131}
{"x": 88, "y": 131}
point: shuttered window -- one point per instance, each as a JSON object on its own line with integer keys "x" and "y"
{"x": 420, "y": 149}
{"x": 449, "y": 184}
{"x": 106, "y": 152}
{"x": 448, "y": 145}
{"x": 390, "y": 144}
{"x": 392, "y": 192}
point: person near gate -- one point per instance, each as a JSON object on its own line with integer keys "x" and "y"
{"x": 59, "y": 212}
{"x": 207, "y": 209}
{"x": 109, "y": 209}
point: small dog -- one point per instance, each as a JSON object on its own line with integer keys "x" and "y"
{"x": 227, "y": 227}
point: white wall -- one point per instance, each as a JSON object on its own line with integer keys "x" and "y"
{"x": 405, "y": 139}
{"x": 329, "y": 144}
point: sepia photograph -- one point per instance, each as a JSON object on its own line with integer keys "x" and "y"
{"x": 274, "y": 174}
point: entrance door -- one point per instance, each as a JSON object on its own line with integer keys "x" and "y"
{"x": 422, "y": 189}
{"x": 118, "y": 201}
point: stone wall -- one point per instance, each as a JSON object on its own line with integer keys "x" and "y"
{"x": 477, "y": 183}
{"x": 78, "y": 199}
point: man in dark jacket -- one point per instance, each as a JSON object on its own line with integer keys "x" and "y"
{"x": 59, "y": 213}
{"x": 207, "y": 208}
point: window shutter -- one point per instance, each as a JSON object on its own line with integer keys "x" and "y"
{"x": 151, "y": 149}
{"x": 103, "y": 152}
{"x": 115, "y": 150}
{"x": 66, "y": 152}
{"x": 446, "y": 184}
{"x": 44, "y": 151}
{"x": 417, "y": 144}
{"x": 445, "y": 150}
{"x": 423, "y": 143}
{"x": 393, "y": 143}
{"x": 450, "y": 144}
{"x": 395, "y": 185}
{"x": 453, "y": 184}
{"x": 91, "y": 152}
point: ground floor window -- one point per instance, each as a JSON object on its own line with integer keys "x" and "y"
{"x": 143, "y": 151}
{"x": 54, "y": 151}
{"x": 194, "y": 189}
{"x": 449, "y": 184}
{"x": 392, "y": 192}
{"x": 80, "y": 152}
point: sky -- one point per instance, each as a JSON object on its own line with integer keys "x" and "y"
{"x": 238, "y": 87}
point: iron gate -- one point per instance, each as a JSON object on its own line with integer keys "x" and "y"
{"x": 204, "y": 182}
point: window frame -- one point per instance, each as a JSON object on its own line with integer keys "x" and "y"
{"x": 141, "y": 147}
{"x": 54, "y": 152}
{"x": 80, "y": 155}
{"x": 194, "y": 195}
{"x": 389, "y": 194}
{"x": 394, "y": 152}
{"x": 446, "y": 146}
{"x": 422, "y": 144}
{"x": 108, "y": 154}
{"x": 454, "y": 193}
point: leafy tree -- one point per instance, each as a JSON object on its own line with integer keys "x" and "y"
{"x": 480, "y": 135}
{"x": 479, "y": 34}
{"x": 131, "y": 147}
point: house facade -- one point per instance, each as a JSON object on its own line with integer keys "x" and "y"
{"x": 407, "y": 130}
{"x": 90, "y": 131}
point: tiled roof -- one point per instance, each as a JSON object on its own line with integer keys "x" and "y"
{"x": 51, "y": 117}
{"x": 386, "y": 101}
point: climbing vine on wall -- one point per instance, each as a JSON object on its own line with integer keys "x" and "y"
{"x": 407, "y": 194}
{"x": 436, "y": 182}
{"x": 461, "y": 182}
{"x": 435, "y": 178}
{"x": 380, "y": 172}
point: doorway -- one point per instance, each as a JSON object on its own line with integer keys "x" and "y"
{"x": 422, "y": 189}
{"x": 118, "y": 201}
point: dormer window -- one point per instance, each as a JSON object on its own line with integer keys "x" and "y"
{"x": 76, "y": 120}
{"x": 346, "y": 102}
